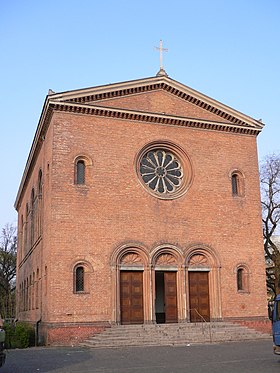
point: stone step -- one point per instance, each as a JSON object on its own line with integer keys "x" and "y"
{"x": 172, "y": 334}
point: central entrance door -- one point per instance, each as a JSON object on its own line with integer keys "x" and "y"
{"x": 166, "y": 297}
{"x": 199, "y": 296}
{"x": 131, "y": 297}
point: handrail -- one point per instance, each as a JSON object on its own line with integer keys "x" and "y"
{"x": 203, "y": 321}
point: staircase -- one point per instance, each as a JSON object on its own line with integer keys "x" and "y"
{"x": 172, "y": 334}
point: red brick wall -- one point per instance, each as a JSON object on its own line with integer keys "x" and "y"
{"x": 160, "y": 102}
{"x": 71, "y": 335}
{"x": 263, "y": 326}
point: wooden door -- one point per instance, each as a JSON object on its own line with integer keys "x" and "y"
{"x": 131, "y": 297}
{"x": 170, "y": 297}
{"x": 199, "y": 296}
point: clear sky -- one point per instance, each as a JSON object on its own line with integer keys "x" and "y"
{"x": 226, "y": 49}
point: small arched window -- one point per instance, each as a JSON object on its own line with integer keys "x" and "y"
{"x": 237, "y": 184}
{"x": 79, "y": 279}
{"x": 32, "y": 217}
{"x": 26, "y": 240}
{"x": 37, "y": 289}
{"x": 21, "y": 236}
{"x": 80, "y": 172}
{"x": 242, "y": 279}
{"x": 234, "y": 184}
{"x": 40, "y": 186}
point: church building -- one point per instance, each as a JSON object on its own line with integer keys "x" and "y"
{"x": 139, "y": 204}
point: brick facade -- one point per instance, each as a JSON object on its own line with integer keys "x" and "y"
{"x": 113, "y": 222}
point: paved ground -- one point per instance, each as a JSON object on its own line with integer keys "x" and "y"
{"x": 241, "y": 357}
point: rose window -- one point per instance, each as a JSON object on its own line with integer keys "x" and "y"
{"x": 161, "y": 171}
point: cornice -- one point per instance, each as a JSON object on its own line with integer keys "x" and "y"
{"x": 158, "y": 118}
{"x": 38, "y": 140}
{"x": 156, "y": 83}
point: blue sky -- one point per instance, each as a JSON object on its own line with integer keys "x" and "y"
{"x": 226, "y": 49}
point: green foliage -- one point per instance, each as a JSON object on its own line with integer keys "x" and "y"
{"x": 19, "y": 335}
{"x": 10, "y": 335}
{"x": 8, "y": 254}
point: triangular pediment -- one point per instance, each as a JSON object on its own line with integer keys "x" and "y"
{"x": 160, "y": 102}
{"x": 158, "y": 95}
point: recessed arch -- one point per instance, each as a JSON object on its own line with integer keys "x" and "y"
{"x": 203, "y": 250}
{"x": 83, "y": 157}
{"x": 82, "y": 163}
{"x": 127, "y": 249}
{"x": 82, "y": 262}
{"x": 32, "y": 216}
{"x": 130, "y": 268}
{"x": 81, "y": 270}
{"x": 203, "y": 265}
{"x": 166, "y": 254}
{"x": 40, "y": 182}
{"x": 237, "y": 183}
{"x": 242, "y": 273}
{"x": 168, "y": 283}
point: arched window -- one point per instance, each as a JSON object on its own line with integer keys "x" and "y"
{"x": 24, "y": 296}
{"x": 39, "y": 207}
{"x": 37, "y": 289}
{"x": 26, "y": 229}
{"x": 237, "y": 184}
{"x": 21, "y": 236}
{"x": 32, "y": 217}
{"x": 80, "y": 172}
{"x": 33, "y": 292}
{"x": 27, "y": 295}
{"x": 242, "y": 279}
{"x": 79, "y": 279}
{"x": 82, "y": 165}
{"x": 234, "y": 184}
{"x": 40, "y": 186}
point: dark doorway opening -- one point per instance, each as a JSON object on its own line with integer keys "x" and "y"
{"x": 160, "y": 313}
{"x": 166, "y": 297}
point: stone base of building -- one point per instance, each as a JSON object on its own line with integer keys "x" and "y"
{"x": 71, "y": 334}
{"x": 67, "y": 334}
{"x": 259, "y": 323}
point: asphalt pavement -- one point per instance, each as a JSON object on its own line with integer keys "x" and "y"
{"x": 241, "y": 357}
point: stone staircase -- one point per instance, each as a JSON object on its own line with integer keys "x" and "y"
{"x": 182, "y": 334}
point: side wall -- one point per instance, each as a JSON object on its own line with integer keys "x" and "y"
{"x": 33, "y": 232}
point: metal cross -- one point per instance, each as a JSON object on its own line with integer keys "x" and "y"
{"x": 160, "y": 49}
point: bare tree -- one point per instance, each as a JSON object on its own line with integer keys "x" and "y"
{"x": 270, "y": 192}
{"x": 8, "y": 253}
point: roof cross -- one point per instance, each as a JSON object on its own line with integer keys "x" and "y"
{"x": 160, "y": 49}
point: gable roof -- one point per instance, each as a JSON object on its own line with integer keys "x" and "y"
{"x": 102, "y": 101}
{"x": 101, "y": 94}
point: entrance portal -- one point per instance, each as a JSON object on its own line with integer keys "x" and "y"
{"x": 166, "y": 297}
{"x": 131, "y": 297}
{"x": 199, "y": 296}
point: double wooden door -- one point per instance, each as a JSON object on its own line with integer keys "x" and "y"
{"x": 199, "y": 296}
{"x": 131, "y": 297}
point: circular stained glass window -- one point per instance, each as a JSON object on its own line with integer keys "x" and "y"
{"x": 161, "y": 171}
